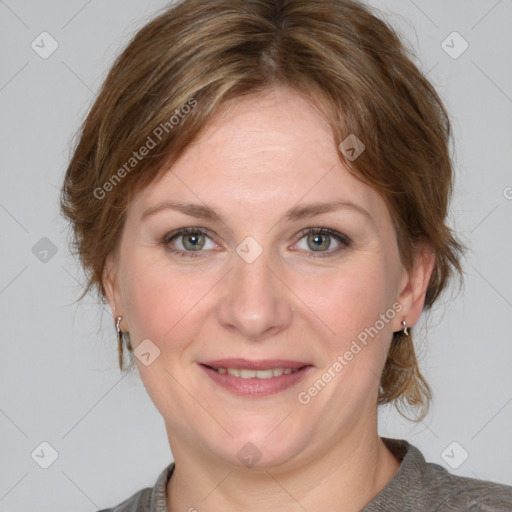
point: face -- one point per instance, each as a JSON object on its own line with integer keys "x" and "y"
{"x": 260, "y": 247}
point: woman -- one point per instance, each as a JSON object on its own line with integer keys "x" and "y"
{"x": 260, "y": 192}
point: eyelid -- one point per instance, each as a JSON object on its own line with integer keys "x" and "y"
{"x": 183, "y": 231}
{"x": 327, "y": 231}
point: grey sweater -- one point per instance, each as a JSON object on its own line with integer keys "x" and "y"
{"x": 417, "y": 486}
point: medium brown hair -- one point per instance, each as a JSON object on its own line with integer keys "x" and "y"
{"x": 195, "y": 56}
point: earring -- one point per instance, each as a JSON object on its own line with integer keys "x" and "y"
{"x": 118, "y": 329}
{"x": 405, "y": 330}
{"x": 122, "y": 337}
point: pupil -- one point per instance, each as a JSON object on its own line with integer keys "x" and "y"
{"x": 319, "y": 241}
{"x": 196, "y": 241}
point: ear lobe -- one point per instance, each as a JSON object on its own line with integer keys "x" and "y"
{"x": 412, "y": 295}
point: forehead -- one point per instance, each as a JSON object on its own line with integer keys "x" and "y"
{"x": 262, "y": 153}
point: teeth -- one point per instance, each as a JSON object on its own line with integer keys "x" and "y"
{"x": 259, "y": 374}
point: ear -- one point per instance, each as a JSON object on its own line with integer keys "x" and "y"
{"x": 111, "y": 286}
{"x": 413, "y": 287}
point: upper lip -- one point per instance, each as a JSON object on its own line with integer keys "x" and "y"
{"x": 260, "y": 364}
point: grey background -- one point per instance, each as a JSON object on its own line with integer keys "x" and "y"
{"x": 59, "y": 380}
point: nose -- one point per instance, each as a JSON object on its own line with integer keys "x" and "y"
{"x": 255, "y": 303}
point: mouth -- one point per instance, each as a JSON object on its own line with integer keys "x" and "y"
{"x": 244, "y": 373}
{"x": 255, "y": 378}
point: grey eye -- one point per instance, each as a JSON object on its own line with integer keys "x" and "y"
{"x": 193, "y": 241}
{"x": 318, "y": 241}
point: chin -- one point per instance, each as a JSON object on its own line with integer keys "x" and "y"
{"x": 256, "y": 446}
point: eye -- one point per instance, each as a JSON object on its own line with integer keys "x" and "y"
{"x": 320, "y": 240}
{"x": 188, "y": 241}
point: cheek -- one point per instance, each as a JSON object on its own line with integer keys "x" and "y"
{"x": 351, "y": 303}
{"x": 147, "y": 311}
{"x": 160, "y": 301}
{"x": 160, "y": 306}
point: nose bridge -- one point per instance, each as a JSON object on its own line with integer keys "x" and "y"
{"x": 252, "y": 278}
{"x": 254, "y": 302}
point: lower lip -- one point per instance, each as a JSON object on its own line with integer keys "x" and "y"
{"x": 254, "y": 386}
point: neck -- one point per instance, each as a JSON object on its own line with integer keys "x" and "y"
{"x": 351, "y": 473}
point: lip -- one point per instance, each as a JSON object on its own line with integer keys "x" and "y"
{"x": 260, "y": 364}
{"x": 254, "y": 387}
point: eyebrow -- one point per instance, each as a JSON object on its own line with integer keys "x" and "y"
{"x": 293, "y": 214}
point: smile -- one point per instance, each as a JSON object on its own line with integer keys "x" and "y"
{"x": 255, "y": 378}
{"x": 259, "y": 374}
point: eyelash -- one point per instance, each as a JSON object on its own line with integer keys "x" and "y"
{"x": 341, "y": 238}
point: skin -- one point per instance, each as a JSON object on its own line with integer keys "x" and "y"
{"x": 259, "y": 157}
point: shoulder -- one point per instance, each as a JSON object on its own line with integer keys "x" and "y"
{"x": 422, "y": 485}
{"x": 139, "y": 502}
{"x": 149, "y": 499}
{"x": 453, "y": 493}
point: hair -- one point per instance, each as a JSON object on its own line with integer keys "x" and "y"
{"x": 198, "y": 55}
